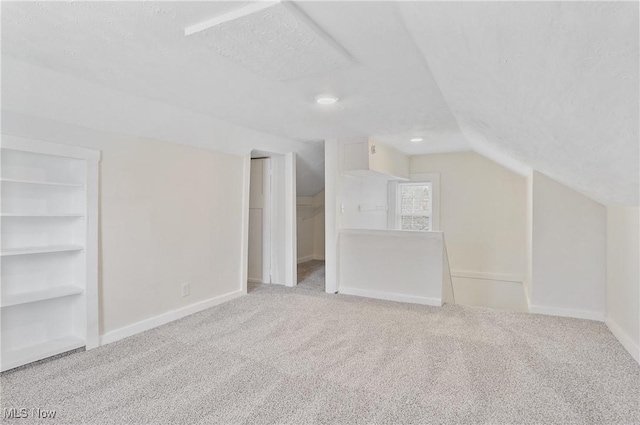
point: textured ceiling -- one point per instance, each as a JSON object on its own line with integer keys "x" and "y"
{"x": 140, "y": 48}
{"x": 252, "y": 36}
{"x": 553, "y": 86}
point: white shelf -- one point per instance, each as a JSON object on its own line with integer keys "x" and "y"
{"x": 39, "y": 215}
{"x": 50, "y": 228}
{"x": 19, "y": 357}
{"x": 40, "y": 250}
{"x": 42, "y": 183}
{"x": 40, "y": 295}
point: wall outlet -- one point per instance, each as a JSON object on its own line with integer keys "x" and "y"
{"x": 186, "y": 289}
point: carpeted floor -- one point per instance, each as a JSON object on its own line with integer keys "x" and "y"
{"x": 289, "y": 355}
{"x": 311, "y": 275}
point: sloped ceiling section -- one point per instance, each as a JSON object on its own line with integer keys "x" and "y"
{"x": 551, "y": 84}
{"x": 256, "y": 34}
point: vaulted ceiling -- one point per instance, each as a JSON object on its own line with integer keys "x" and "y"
{"x": 544, "y": 85}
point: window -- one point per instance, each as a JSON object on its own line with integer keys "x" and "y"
{"x": 414, "y": 206}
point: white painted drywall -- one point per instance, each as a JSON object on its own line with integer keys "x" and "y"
{"x": 318, "y": 228}
{"x": 32, "y": 91}
{"x": 497, "y": 294}
{"x": 355, "y": 191}
{"x": 169, "y": 215}
{"x": 482, "y": 213}
{"x": 623, "y": 276}
{"x": 569, "y": 251}
{"x": 305, "y": 222}
{"x": 310, "y": 227}
{"x": 392, "y": 264}
{"x": 259, "y": 257}
{"x": 528, "y": 274}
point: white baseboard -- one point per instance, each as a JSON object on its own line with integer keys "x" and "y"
{"x": 629, "y": 344}
{"x": 305, "y": 259}
{"x": 390, "y": 296}
{"x": 577, "y": 314}
{"x": 502, "y": 277}
{"x": 254, "y": 280}
{"x": 318, "y": 257}
{"x": 170, "y": 316}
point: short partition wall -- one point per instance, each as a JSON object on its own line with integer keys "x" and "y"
{"x": 395, "y": 265}
{"x": 49, "y": 210}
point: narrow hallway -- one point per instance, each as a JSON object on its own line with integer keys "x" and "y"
{"x": 311, "y": 275}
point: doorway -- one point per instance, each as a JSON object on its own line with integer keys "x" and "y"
{"x": 310, "y": 240}
{"x": 271, "y": 224}
{"x": 259, "y": 255}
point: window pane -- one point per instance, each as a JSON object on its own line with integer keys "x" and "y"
{"x": 414, "y": 222}
{"x": 414, "y": 199}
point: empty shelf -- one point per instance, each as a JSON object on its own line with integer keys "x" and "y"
{"x": 19, "y": 357}
{"x": 42, "y": 183}
{"x": 39, "y": 215}
{"x": 40, "y": 250}
{"x": 40, "y": 295}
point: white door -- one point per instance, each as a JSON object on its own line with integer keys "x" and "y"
{"x": 260, "y": 221}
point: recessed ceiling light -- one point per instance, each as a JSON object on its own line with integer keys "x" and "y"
{"x": 416, "y": 139}
{"x": 326, "y": 100}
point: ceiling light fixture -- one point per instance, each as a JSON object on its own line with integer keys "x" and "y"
{"x": 416, "y": 139}
{"x": 326, "y": 100}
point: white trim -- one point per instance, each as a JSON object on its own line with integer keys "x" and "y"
{"x": 390, "y": 296}
{"x": 331, "y": 214}
{"x": 526, "y": 296}
{"x": 624, "y": 338}
{"x": 254, "y": 280}
{"x": 92, "y": 229}
{"x": 562, "y": 312}
{"x": 393, "y": 219}
{"x": 49, "y": 148}
{"x": 244, "y": 242}
{"x": 310, "y": 257}
{"x": 502, "y": 277}
{"x": 267, "y": 221}
{"x": 291, "y": 265}
{"x": 170, "y": 316}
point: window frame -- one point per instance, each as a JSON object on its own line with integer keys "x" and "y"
{"x": 394, "y": 218}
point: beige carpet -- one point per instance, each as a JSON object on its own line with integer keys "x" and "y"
{"x": 311, "y": 275}
{"x": 298, "y": 356}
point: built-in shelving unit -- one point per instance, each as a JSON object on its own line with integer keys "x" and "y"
{"x": 49, "y": 250}
{"x": 44, "y": 183}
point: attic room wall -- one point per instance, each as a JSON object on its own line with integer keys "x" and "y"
{"x": 310, "y": 227}
{"x": 169, "y": 215}
{"x": 623, "y": 276}
{"x": 482, "y": 215}
{"x": 569, "y": 247}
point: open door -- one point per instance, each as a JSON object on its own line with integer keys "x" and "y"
{"x": 259, "y": 261}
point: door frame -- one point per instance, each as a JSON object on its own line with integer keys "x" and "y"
{"x": 283, "y": 264}
{"x": 266, "y": 222}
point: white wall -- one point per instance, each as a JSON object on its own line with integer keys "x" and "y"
{"x": 482, "y": 214}
{"x": 569, "y": 247}
{"x": 392, "y": 265}
{"x": 310, "y": 227}
{"x": 623, "y": 276}
{"x": 318, "y": 233}
{"x": 355, "y": 191}
{"x": 169, "y": 214}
